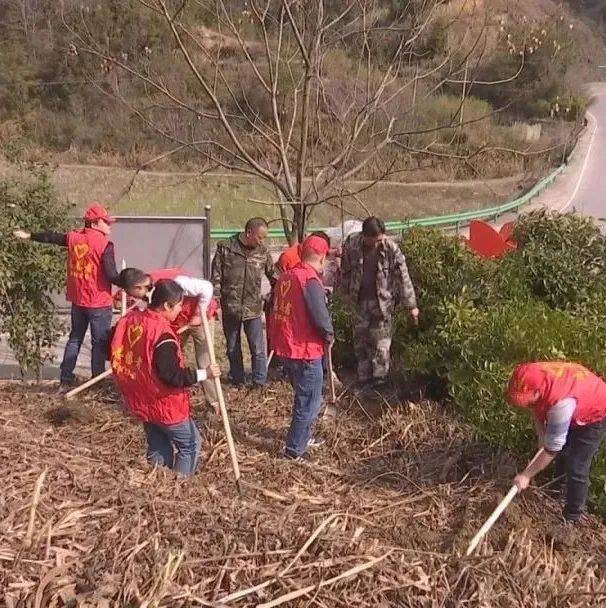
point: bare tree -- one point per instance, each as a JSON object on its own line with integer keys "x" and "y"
{"x": 261, "y": 96}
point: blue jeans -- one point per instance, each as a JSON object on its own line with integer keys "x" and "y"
{"x": 253, "y": 328}
{"x": 100, "y": 321}
{"x": 307, "y": 381}
{"x": 162, "y": 439}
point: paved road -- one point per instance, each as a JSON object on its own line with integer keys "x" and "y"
{"x": 589, "y": 196}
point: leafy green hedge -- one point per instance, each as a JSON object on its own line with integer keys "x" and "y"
{"x": 480, "y": 318}
{"x": 29, "y": 272}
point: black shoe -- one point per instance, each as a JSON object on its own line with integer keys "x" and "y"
{"x": 66, "y": 385}
{"x": 256, "y": 386}
{"x": 303, "y": 458}
{"x": 379, "y": 384}
{"x": 234, "y": 383}
{"x": 362, "y": 387}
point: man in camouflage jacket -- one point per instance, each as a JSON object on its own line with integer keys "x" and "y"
{"x": 375, "y": 279}
{"x": 237, "y": 272}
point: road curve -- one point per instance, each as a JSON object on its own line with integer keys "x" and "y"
{"x": 589, "y": 194}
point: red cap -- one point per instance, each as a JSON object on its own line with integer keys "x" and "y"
{"x": 315, "y": 244}
{"x": 523, "y": 384}
{"x": 98, "y": 212}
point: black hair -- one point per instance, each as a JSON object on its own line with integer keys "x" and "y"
{"x": 254, "y": 223}
{"x": 373, "y": 226}
{"x": 322, "y": 235}
{"x": 129, "y": 277}
{"x": 166, "y": 291}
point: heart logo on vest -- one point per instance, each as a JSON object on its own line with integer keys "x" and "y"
{"x": 285, "y": 287}
{"x": 135, "y": 333}
{"x": 81, "y": 249}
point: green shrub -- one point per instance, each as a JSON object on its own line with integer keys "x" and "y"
{"x": 29, "y": 273}
{"x": 545, "y": 301}
{"x": 480, "y": 318}
{"x": 342, "y": 318}
{"x": 486, "y": 344}
{"x": 442, "y": 267}
{"x": 563, "y": 258}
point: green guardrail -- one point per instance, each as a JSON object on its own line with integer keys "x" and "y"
{"x": 456, "y": 220}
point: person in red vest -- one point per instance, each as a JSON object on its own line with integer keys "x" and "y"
{"x": 91, "y": 271}
{"x": 288, "y": 259}
{"x": 301, "y": 331}
{"x": 147, "y": 361}
{"x": 197, "y": 300}
{"x": 569, "y": 406}
{"x": 291, "y": 256}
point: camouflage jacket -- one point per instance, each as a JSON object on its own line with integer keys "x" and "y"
{"x": 237, "y": 273}
{"x": 394, "y": 286}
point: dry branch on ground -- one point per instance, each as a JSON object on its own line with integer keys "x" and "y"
{"x": 380, "y": 519}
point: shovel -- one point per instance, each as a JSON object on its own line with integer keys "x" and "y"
{"x": 224, "y": 417}
{"x": 331, "y": 409}
{"x": 475, "y": 541}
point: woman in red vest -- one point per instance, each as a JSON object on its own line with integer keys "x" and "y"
{"x": 147, "y": 361}
{"x": 197, "y": 300}
{"x": 569, "y": 406}
{"x": 301, "y": 330}
{"x": 91, "y": 270}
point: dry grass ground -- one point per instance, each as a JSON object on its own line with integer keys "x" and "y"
{"x": 381, "y": 519}
{"x": 155, "y": 193}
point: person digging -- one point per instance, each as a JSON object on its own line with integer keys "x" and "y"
{"x": 568, "y": 403}
{"x": 147, "y": 361}
{"x": 197, "y": 300}
{"x": 91, "y": 271}
{"x": 301, "y": 332}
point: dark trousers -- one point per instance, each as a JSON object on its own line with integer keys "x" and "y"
{"x": 574, "y": 461}
{"x": 307, "y": 380}
{"x": 100, "y": 321}
{"x": 253, "y": 328}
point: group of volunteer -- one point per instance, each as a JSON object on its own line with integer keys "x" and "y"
{"x": 568, "y": 401}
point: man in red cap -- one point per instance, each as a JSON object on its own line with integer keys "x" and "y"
{"x": 288, "y": 259}
{"x": 568, "y": 403}
{"x": 91, "y": 270}
{"x": 301, "y": 331}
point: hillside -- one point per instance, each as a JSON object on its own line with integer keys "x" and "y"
{"x": 61, "y": 103}
{"x": 380, "y": 520}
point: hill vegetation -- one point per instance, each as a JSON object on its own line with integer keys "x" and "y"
{"x": 306, "y": 97}
{"x": 57, "y": 101}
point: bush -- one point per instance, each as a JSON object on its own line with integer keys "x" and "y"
{"x": 480, "y": 318}
{"x": 28, "y": 274}
{"x": 563, "y": 257}
{"x": 485, "y": 344}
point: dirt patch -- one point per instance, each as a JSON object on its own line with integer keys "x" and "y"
{"x": 380, "y": 519}
{"x": 65, "y": 414}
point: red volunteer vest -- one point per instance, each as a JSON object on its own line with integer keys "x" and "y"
{"x": 87, "y": 284}
{"x": 293, "y": 334}
{"x": 563, "y": 379}
{"x": 132, "y": 350}
{"x": 190, "y": 305}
